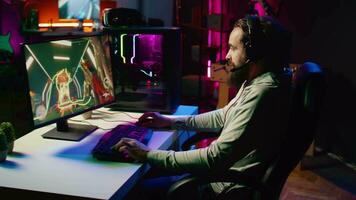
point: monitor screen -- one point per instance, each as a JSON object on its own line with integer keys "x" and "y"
{"x": 68, "y": 77}
{"x": 146, "y": 68}
{"x": 79, "y": 9}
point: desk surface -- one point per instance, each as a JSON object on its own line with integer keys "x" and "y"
{"x": 67, "y": 168}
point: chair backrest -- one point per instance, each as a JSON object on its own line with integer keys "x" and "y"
{"x": 309, "y": 86}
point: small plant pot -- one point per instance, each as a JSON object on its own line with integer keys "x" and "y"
{"x": 3, "y": 155}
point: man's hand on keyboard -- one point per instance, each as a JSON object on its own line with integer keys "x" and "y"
{"x": 133, "y": 148}
{"x": 154, "y": 120}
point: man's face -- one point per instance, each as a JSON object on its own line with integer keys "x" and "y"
{"x": 236, "y": 57}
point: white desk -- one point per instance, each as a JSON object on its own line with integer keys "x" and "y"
{"x": 67, "y": 168}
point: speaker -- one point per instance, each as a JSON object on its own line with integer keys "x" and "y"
{"x": 122, "y": 17}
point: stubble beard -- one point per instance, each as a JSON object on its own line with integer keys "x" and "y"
{"x": 236, "y": 78}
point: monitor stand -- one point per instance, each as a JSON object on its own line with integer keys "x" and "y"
{"x": 71, "y": 132}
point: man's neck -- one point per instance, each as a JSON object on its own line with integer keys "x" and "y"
{"x": 255, "y": 70}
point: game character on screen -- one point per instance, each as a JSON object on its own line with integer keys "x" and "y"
{"x": 64, "y": 101}
{"x": 94, "y": 84}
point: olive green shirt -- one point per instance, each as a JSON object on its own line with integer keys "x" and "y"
{"x": 251, "y": 125}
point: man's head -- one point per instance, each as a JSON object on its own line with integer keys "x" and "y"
{"x": 257, "y": 45}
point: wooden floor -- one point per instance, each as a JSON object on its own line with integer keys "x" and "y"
{"x": 306, "y": 185}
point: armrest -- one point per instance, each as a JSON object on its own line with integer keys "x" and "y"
{"x": 198, "y": 137}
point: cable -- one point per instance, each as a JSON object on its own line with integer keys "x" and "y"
{"x": 87, "y": 122}
{"x": 118, "y": 121}
{"x": 117, "y": 112}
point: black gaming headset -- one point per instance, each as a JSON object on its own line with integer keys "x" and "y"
{"x": 255, "y": 44}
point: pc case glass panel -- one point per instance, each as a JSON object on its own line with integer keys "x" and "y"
{"x": 140, "y": 71}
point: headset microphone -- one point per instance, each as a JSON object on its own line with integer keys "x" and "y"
{"x": 246, "y": 64}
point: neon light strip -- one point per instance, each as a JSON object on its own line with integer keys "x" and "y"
{"x": 209, "y": 69}
{"x": 89, "y": 24}
{"x": 63, "y": 42}
{"x": 67, "y": 24}
{"x": 122, "y": 48}
{"x": 33, "y": 55}
{"x": 61, "y": 58}
{"x": 210, "y": 9}
{"x": 134, "y": 47}
{"x": 150, "y": 74}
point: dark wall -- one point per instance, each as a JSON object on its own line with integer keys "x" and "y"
{"x": 325, "y": 32}
{"x": 13, "y": 102}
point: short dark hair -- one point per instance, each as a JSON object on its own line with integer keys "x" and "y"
{"x": 265, "y": 39}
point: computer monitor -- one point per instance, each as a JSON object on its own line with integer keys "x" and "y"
{"x": 66, "y": 78}
{"x": 79, "y": 9}
{"x": 147, "y": 68}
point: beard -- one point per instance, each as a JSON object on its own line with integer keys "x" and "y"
{"x": 236, "y": 78}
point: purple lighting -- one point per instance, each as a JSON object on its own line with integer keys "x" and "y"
{"x": 13, "y": 26}
{"x": 150, "y": 47}
{"x": 210, "y": 8}
{"x": 141, "y": 48}
{"x": 260, "y": 10}
{"x": 217, "y": 6}
{"x": 214, "y": 37}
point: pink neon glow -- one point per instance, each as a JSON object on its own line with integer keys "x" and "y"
{"x": 260, "y": 9}
{"x": 210, "y": 8}
{"x": 216, "y": 41}
{"x": 214, "y": 37}
{"x": 217, "y": 7}
{"x": 216, "y": 85}
{"x": 208, "y": 70}
{"x": 224, "y": 45}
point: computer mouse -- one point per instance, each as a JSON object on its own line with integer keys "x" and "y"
{"x": 145, "y": 120}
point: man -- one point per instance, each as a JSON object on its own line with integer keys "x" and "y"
{"x": 252, "y": 124}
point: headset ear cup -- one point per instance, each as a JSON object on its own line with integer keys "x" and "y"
{"x": 248, "y": 45}
{"x": 249, "y": 51}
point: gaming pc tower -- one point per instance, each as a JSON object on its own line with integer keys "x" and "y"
{"x": 146, "y": 68}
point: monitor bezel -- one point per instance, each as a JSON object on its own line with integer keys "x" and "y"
{"x": 27, "y": 85}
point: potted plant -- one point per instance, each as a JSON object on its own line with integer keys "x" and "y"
{"x": 9, "y": 132}
{"x": 3, "y": 146}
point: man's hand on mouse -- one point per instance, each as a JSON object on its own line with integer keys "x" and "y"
{"x": 154, "y": 120}
{"x": 133, "y": 148}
